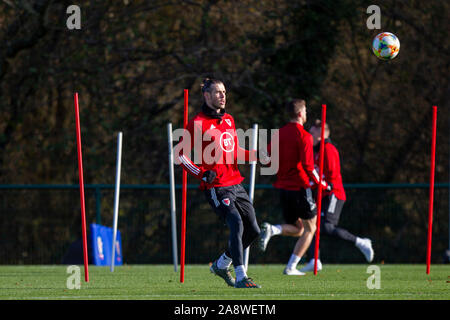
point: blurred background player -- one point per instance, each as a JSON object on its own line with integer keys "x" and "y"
{"x": 221, "y": 179}
{"x": 332, "y": 201}
{"x": 294, "y": 177}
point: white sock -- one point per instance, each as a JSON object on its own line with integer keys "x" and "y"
{"x": 240, "y": 273}
{"x": 276, "y": 229}
{"x": 293, "y": 261}
{"x": 224, "y": 262}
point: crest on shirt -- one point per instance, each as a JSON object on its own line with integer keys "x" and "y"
{"x": 226, "y": 202}
{"x": 228, "y": 121}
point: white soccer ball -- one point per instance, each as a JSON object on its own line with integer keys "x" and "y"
{"x": 386, "y": 46}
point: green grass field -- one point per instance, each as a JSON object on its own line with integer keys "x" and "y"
{"x": 160, "y": 282}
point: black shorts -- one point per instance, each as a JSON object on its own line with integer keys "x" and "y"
{"x": 226, "y": 199}
{"x": 331, "y": 209}
{"x": 297, "y": 204}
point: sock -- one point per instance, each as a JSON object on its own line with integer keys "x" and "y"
{"x": 224, "y": 262}
{"x": 276, "y": 229}
{"x": 240, "y": 272}
{"x": 293, "y": 261}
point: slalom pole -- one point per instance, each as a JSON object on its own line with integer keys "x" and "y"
{"x": 432, "y": 171}
{"x": 319, "y": 190}
{"x": 173, "y": 207}
{"x": 184, "y": 195}
{"x": 252, "y": 183}
{"x": 116, "y": 197}
{"x": 80, "y": 173}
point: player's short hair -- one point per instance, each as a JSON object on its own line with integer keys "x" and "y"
{"x": 207, "y": 83}
{"x": 318, "y": 124}
{"x": 294, "y": 106}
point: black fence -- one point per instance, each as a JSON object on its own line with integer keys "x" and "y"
{"x": 39, "y": 223}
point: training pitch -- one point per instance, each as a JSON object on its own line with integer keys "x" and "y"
{"x": 161, "y": 282}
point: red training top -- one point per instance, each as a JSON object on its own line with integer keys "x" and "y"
{"x": 216, "y": 148}
{"x": 296, "y": 159}
{"x": 331, "y": 169}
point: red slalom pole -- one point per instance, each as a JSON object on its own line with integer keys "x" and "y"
{"x": 430, "y": 204}
{"x": 80, "y": 171}
{"x": 184, "y": 195}
{"x": 319, "y": 191}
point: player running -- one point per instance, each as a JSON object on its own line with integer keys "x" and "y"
{"x": 333, "y": 201}
{"x": 295, "y": 176}
{"x": 221, "y": 180}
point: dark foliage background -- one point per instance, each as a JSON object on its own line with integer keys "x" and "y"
{"x": 131, "y": 61}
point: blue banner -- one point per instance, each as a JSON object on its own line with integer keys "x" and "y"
{"x": 101, "y": 240}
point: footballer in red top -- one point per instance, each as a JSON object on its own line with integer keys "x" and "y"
{"x": 295, "y": 177}
{"x": 216, "y": 149}
{"x": 212, "y": 136}
{"x": 333, "y": 200}
{"x": 296, "y": 169}
{"x": 331, "y": 164}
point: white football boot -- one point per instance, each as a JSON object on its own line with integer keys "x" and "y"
{"x": 292, "y": 272}
{"x": 266, "y": 234}
{"x": 365, "y": 245}
{"x": 310, "y": 266}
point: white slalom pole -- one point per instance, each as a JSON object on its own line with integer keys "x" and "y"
{"x": 172, "y": 200}
{"x": 251, "y": 193}
{"x": 116, "y": 197}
